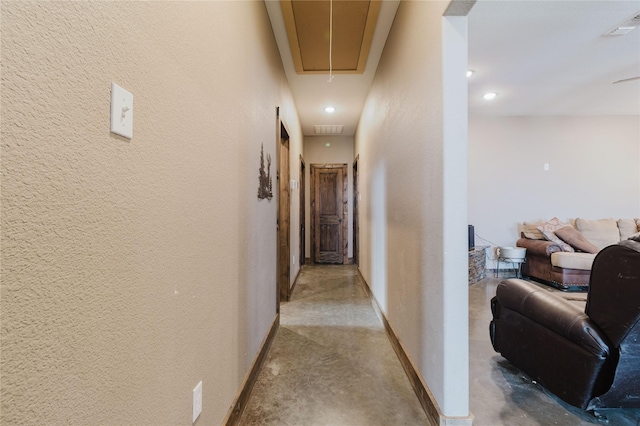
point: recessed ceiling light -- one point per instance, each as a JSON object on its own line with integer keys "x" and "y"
{"x": 330, "y": 109}
{"x": 327, "y": 144}
{"x": 489, "y": 96}
{"x": 470, "y": 73}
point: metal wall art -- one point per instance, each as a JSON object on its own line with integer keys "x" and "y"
{"x": 265, "y": 185}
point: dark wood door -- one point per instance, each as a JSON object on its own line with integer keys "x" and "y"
{"x": 356, "y": 222}
{"x": 284, "y": 214}
{"x": 302, "y": 212}
{"x": 329, "y": 210}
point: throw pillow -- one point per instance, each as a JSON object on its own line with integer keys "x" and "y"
{"x": 575, "y": 239}
{"x": 627, "y": 228}
{"x": 529, "y": 230}
{"x": 602, "y": 232}
{"x": 548, "y": 229}
{"x": 635, "y": 237}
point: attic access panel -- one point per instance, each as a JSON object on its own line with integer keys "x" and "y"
{"x": 307, "y": 23}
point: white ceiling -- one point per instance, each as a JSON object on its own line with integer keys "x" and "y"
{"x": 542, "y": 57}
{"x": 551, "y": 58}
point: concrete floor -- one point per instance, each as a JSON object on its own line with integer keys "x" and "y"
{"x": 332, "y": 364}
{"x": 500, "y": 394}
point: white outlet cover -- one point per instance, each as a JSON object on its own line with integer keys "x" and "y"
{"x": 121, "y": 111}
{"x": 197, "y": 402}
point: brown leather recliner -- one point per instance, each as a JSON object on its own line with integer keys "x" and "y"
{"x": 590, "y": 358}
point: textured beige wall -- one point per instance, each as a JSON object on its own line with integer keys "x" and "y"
{"x": 413, "y": 249}
{"x": 133, "y": 269}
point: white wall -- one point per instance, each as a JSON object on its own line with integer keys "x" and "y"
{"x": 340, "y": 151}
{"x": 594, "y": 171}
{"x": 412, "y": 172}
{"x": 133, "y": 269}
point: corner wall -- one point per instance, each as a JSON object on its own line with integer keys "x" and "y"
{"x": 594, "y": 172}
{"x": 411, "y": 143}
{"x": 133, "y": 269}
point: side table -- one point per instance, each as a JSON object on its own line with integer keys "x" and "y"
{"x": 515, "y": 262}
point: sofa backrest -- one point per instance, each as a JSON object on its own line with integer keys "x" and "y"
{"x": 600, "y": 232}
{"x": 613, "y": 302}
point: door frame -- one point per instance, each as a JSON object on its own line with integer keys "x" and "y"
{"x": 345, "y": 208}
{"x": 283, "y": 223}
{"x": 303, "y": 221}
{"x": 356, "y": 221}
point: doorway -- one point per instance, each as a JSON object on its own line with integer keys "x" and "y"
{"x": 328, "y": 201}
{"x": 284, "y": 214}
{"x": 356, "y": 222}
{"x": 302, "y": 213}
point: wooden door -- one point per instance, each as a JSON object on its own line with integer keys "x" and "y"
{"x": 329, "y": 213}
{"x": 356, "y": 221}
{"x": 302, "y": 213}
{"x": 284, "y": 212}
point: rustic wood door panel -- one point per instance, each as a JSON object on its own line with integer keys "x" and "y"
{"x": 329, "y": 213}
{"x": 284, "y": 214}
{"x": 356, "y": 220}
{"x": 302, "y": 212}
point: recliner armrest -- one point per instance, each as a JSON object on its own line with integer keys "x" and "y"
{"x": 538, "y": 247}
{"x": 552, "y": 312}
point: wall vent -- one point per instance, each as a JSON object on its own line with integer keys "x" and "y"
{"x": 626, "y": 27}
{"x": 328, "y": 129}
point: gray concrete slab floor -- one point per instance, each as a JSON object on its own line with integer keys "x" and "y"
{"x": 331, "y": 363}
{"x": 500, "y": 394}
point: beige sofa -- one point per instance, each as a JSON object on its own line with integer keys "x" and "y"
{"x": 561, "y": 253}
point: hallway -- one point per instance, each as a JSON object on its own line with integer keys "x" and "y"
{"x": 331, "y": 362}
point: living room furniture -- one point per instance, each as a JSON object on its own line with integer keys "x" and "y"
{"x": 589, "y": 358}
{"x": 566, "y": 265}
{"x": 515, "y": 256}
{"x": 515, "y": 263}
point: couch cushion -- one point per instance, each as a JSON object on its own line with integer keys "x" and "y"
{"x": 548, "y": 229}
{"x": 627, "y": 227}
{"x": 575, "y": 239}
{"x": 582, "y": 261}
{"x": 601, "y": 233}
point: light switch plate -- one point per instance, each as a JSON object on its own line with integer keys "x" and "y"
{"x": 121, "y": 111}
{"x": 197, "y": 401}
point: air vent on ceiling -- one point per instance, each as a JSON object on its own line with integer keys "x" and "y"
{"x": 328, "y": 129}
{"x": 626, "y": 27}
